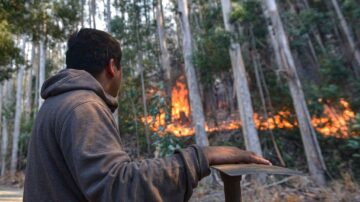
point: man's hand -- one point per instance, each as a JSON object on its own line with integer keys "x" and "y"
{"x": 232, "y": 155}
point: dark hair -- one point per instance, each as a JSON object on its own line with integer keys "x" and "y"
{"x": 91, "y": 50}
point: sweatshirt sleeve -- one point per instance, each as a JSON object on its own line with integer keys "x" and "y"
{"x": 104, "y": 172}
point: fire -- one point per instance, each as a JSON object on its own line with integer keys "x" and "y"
{"x": 334, "y": 121}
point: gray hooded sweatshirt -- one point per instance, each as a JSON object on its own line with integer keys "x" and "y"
{"x": 75, "y": 152}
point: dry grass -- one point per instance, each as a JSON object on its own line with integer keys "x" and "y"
{"x": 293, "y": 189}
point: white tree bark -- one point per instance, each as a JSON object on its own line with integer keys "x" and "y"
{"x": 42, "y": 63}
{"x": 165, "y": 57}
{"x": 108, "y": 15}
{"x": 18, "y": 110}
{"x": 251, "y": 137}
{"x": 349, "y": 37}
{"x": 29, "y": 83}
{"x": 4, "y": 144}
{"x": 93, "y": 13}
{"x": 4, "y": 140}
{"x": 312, "y": 149}
{"x": 197, "y": 113}
{"x": 108, "y": 20}
{"x": 143, "y": 92}
{"x": 1, "y": 102}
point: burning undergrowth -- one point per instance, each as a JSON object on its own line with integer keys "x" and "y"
{"x": 335, "y": 119}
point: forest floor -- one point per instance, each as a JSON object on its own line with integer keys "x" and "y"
{"x": 286, "y": 189}
{"x": 292, "y": 189}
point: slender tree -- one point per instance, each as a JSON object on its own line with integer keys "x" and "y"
{"x": 355, "y": 53}
{"x": 197, "y": 113}
{"x": 312, "y": 149}
{"x": 42, "y": 61}
{"x": 29, "y": 84}
{"x": 165, "y": 57}
{"x": 139, "y": 65}
{"x": 108, "y": 15}
{"x": 7, "y": 88}
{"x": 251, "y": 137}
{"x": 18, "y": 110}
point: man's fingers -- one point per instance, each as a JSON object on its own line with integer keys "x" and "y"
{"x": 259, "y": 160}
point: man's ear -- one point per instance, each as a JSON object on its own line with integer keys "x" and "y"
{"x": 111, "y": 67}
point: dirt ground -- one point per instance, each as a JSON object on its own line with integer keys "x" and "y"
{"x": 291, "y": 189}
{"x": 10, "y": 194}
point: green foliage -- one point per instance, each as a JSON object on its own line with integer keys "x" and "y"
{"x": 130, "y": 106}
{"x": 24, "y": 140}
{"x": 8, "y": 50}
{"x": 238, "y": 12}
{"x": 165, "y": 142}
{"x": 212, "y": 57}
{"x": 351, "y": 9}
{"x": 356, "y": 126}
{"x": 341, "y": 154}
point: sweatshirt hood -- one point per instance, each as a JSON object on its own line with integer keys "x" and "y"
{"x": 71, "y": 79}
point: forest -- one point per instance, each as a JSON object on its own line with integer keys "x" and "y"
{"x": 280, "y": 78}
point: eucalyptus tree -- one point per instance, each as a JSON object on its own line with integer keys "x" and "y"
{"x": 18, "y": 111}
{"x": 165, "y": 57}
{"x": 197, "y": 112}
{"x": 5, "y": 116}
{"x": 313, "y": 153}
{"x": 251, "y": 137}
{"x": 354, "y": 49}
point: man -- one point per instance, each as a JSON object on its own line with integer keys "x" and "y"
{"x": 75, "y": 153}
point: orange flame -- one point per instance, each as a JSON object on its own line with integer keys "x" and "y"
{"x": 334, "y": 121}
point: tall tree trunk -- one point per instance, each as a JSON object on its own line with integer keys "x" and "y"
{"x": 312, "y": 149}
{"x": 7, "y": 95}
{"x": 108, "y": 20}
{"x": 42, "y": 63}
{"x": 197, "y": 113}
{"x": 355, "y": 53}
{"x": 82, "y": 13}
{"x": 1, "y": 117}
{"x": 251, "y": 137}
{"x": 1, "y": 103}
{"x": 37, "y": 69}
{"x": 257, "y": 67}
{"x": 29, "y": 79}
{"x": 4, "y": 144}
{"x": 92, "y": 14}
{"x": 108, "y": 15}
{"x": 139, "y": 58}
{"x": 165, "y": 58}
{"x": 18, "y": 110}
{"x": 143, "y": 92}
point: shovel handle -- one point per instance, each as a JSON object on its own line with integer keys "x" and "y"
{"x": 232, "y": 188}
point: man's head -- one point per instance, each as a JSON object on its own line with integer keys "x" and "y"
{"x": 98, "y": 53}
